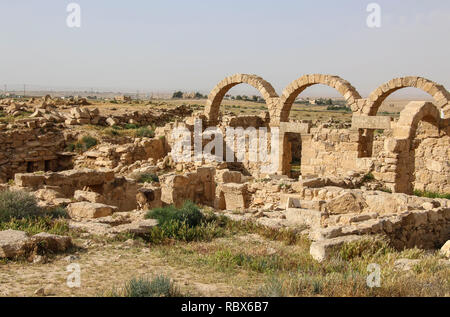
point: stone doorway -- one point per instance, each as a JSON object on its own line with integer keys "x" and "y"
{"x": 293, "y": 154}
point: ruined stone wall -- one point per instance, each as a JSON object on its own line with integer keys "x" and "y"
{"x": 330, "y": 152}
{"x": 116, "y": 157}
{"x": 198, "y": 187}
{"x": 29, "y": 150}
{"x": 430, "y": 160}
{"x": 115, "y": 190}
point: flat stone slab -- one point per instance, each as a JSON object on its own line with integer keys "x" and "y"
{"x": 90, "y": 210}
{"x": 322, "y": 250}
{"x": 12, "y": 243}
{"x": 53, "y": 242}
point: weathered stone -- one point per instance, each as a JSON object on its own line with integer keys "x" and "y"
{"x": 13, "y": 243}
{"x": 324, "y": 249}
{"x": 93, "y": 197}
{"x": 236, "y": 196}
{"x": 346, "y": 203}
{"x": 90, "y": 210}
{"x": 149, "y": 198}
{"x": 52, "y": 242}
{"x": 445, "y": 250}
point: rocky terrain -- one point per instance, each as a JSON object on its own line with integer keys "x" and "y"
{"x": 102, "y": 189}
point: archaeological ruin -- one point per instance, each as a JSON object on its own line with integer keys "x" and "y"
{"x": 354, "y": 180}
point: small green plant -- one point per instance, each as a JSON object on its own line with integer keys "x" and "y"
{"x": 189, "y": 213}
{"x": 148, "y": 178}
{"x": 368, "y": 177}
{"x": 84, "y": 144}
{"x": 130, "y": 126}
{"x": 144, "y": 132}
{"x": 183, "y": 224}
{"x": 88, "y": 142}
{"x": 70, "y": 147}
{"x": 112, "y": 132}
{"x": 57, "y": 213}
{"x": 428, "y": 194}
{"x": 35, "y": 225}
{"x": 386, "y": 190}
{"x": 285, "y": 186}
{"x": 159, "y": 286}
{"x": 17, "y": 204}
{"x": 364, "y": 248}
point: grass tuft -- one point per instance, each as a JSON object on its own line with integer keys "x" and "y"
{"x": 159, "y": 286}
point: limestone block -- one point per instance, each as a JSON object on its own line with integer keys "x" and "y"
{"x": 346, "y": 203}
{"x": 149, "y": 198}
{"x": 29, "y": 180}
{"x": 90, "y": 210}
{"x": 12, "y": 243}
{"x": 93, "y": 197}
{"x": 236, "y": 196}
{"x": 52, "y": 242}
{"x": 445, "y": 250}
{"x": 324, "y": 249}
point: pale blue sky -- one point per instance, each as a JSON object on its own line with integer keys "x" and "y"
{"x": 163, "y": 45}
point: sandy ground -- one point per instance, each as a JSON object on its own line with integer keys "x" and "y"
{"x": 103, "y": 267}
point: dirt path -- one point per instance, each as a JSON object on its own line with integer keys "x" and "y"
{"x": 103, "y": 267}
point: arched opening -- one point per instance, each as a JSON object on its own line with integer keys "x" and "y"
{"x": 295, "y": 88}
{"x": 218, "y": 94}
{"x": 244, "y": 101}
{"x": 438, "y": 92}
{"x": 423, "y": 165}
{"x": 389, "y": 104}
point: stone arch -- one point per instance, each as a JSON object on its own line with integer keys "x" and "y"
{"x": 410, "y": 117}
{"x": 401, "y": 145}
{"x": 440, "y": 95}
{"x": 296, "y": 87}
{"x": 218, "y": 93}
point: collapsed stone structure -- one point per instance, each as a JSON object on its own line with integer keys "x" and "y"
{"x": 330, "y": 151}
{"x": 29, "y": 150}
{"x": 352, "y": 181}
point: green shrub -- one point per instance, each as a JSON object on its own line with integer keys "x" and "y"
{"x": 148, "y": 178}
{"x": 57, "y": 213}
{"x": 181, "y": 231}
{"x": 364, "y": 248}
{"x": 84, "y": 144}
{"x": 130, "y": 126}
{"x": 427, "y": 194}
{"x": 144, "y": 132}
{"x": 17, "y": 204}
{"x": 111, "y": 132}
{"x": 70, "y": 147}
{"x": 225, "y": 259}
{"x": 184, "y": 224}
{"x": 88, "y": 142}
{"x": 368, "y": 177}
{"x": 159, "y": 286}
{"x": 35, "y": 225}
{"x": 189, "y": 213}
